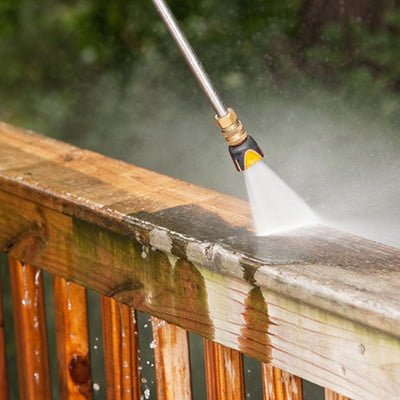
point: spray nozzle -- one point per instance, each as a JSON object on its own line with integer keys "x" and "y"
{"x": 243, "y": 149}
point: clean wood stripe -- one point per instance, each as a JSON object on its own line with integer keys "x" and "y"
{"x": 171, "y": 353}
{"x": 72, "y": 340}
{"x": 120, "y": 350}
{"x": 30, "y": 331}
{"x": 224, "y": 372}
{"x": 330, "y": 395}
{"x": 280, "y": 385}
{"x": 3, "y": 358}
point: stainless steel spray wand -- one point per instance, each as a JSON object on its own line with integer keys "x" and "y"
{"x": 243, "y": 148}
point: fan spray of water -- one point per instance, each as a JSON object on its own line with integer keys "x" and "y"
{"x": 274, "y": 205}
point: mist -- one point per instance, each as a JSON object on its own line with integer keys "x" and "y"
{"x": 340, "y": 159}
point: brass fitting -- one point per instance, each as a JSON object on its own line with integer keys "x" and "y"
{"x": 232, "y": 128}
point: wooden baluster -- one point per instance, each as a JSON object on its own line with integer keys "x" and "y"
{"x": 30, "y": 331}
{"x": 120, "y": 350}
{"x": 280, "y": 385}
{"x": 3, "y": 358}
{"x": 224, "y": 372}
{"x": 329, "y": 395}
{"x": 73, "y": 357}
{"x": 171, "y": 353}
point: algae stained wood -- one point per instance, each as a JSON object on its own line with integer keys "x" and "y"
{"x": 149, "y": 241}
{"x": 73, "y": 356}
{"x": 121, "y": 348}
{"x": 30, "y": 331}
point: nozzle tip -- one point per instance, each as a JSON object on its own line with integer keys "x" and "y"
{"x": 246, "y": 154}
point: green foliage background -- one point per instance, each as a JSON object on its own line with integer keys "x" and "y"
{"x": 54, "y": 53}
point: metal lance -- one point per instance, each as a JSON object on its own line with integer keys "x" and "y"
{"x": 243, "y": 149}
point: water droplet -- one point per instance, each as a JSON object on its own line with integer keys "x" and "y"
{"x": 96, "y": 387}
{"x": 153, "y": 344}
{"x": 144, "y": 380}
{"x": 146, "y": 393}
{"x": 95, "y": 347}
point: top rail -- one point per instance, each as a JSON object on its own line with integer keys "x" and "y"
{"x": 319, "y": 303}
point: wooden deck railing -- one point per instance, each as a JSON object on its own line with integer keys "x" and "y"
{"x": 316, "y": 304}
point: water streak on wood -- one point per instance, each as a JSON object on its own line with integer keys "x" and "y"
{"x": 224, "y": 372}
{"x": 121, "y": 347}
{"x": 171, "y": 353}
{"x": 30, "y": 331}
{"x": 280, "y": 385}
{"x": 72, "y": 340}
{"x": 3, "y": 358}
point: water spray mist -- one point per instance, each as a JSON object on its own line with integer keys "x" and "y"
{"x": 275, "y": 206}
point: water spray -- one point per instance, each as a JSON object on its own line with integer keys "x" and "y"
{"x": 243, "y": 149}
{"x": 274, "y": 205}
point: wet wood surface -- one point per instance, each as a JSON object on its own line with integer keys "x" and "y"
{"x": 280, "y": 385}
{"x": 30, "y": 331}
{"x": 318, "y": 303}
{"x": 72, "y": 336}
{"x": 171, "y": 354}
{"x": 224, "y": 372}
{"x": 329, "y": 395}
{"x": 3, "y": 358}
{"x": 121, "y": 356}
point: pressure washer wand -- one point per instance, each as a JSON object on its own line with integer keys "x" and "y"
{"x": 243, "y": 149}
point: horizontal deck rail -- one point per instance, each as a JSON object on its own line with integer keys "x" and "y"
{"x": 321, "y": 304}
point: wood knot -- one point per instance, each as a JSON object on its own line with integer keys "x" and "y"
{"x": 79, "y": 370}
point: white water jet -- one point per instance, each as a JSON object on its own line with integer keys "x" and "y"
{"x": 274, "y": 205}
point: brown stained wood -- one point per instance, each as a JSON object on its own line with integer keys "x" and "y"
{"x": 30, "y": 331}
{"x": 150, "y": 241}
{"x": 171, "y": 353}
{"x": 329, "y": 395}
{"x": 224, "y": 372}
{"x": 73, "y": 358}
{"x": 169, "y": 214}
{"x": 3, "y": 358}
{"x": 120, "y": 350}
{"x": 280, "y": 385}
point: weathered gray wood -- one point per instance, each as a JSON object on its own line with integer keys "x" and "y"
{"x": 318, "y": 303}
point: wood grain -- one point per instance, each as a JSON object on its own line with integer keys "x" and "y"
{"x": 73, "y": 358}
{"x": 224, "y": 372}
{"x": 171, "y": 353}
{"x": 3, "y": 358}
{"x": 280, "y": 385}
{"x": 329, "y": 395}
{"x": 30, "y": 331}
{"x": 120, "y": 350}
{"x": 318, "y": 303}
{"x": 319, "y": 266}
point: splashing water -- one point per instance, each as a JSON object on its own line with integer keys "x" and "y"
{"x": 275, "y": 207}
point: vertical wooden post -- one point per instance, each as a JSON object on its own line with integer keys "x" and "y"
{"x": 3, "y": 358}
{"x": 120, "y": 350}
{"x": 329, "y": 395}
{"x": 171, "y": 353}
{"x": 224, "y": 372}
{"x": 30, "y": 331}
{"x": 72, "y": 340}
{"x": 280, "y": 385}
